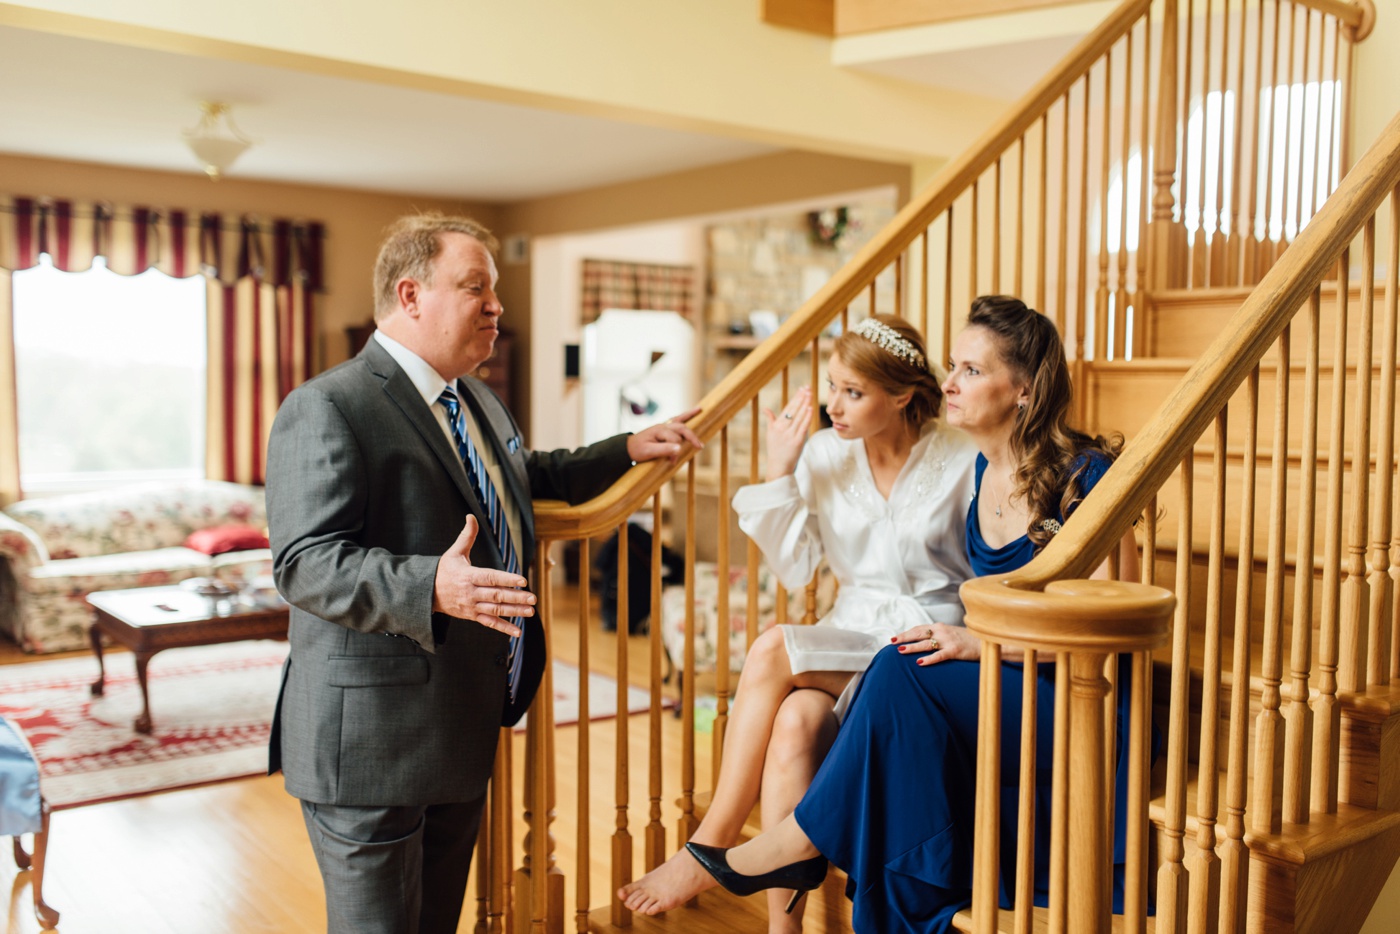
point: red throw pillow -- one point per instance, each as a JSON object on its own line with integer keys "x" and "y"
{"x": 222, "y": 538}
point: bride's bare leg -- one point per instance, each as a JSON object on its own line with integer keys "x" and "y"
{"x": 802, "y": 733}
{"x": 766, "y": 671}
{"x": 764, "y": 684}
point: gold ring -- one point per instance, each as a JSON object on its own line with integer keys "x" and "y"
{"x": 934, "y": 643}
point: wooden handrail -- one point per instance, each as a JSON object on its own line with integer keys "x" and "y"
{"x": 1149, "y": 459}
{"x": 556, "y": 520}
{"x": 1359, "y": 16}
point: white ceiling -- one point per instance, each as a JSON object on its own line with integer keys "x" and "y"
{"x": 69, "y": 98}
{"x": 84, "y": 100}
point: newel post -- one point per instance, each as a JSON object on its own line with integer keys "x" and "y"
{"x": 1084, "y": 625}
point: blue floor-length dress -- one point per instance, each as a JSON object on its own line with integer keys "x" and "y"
{"x": 893, "y": 804}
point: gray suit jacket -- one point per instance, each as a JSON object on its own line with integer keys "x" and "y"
{"x": 364, "y": 493}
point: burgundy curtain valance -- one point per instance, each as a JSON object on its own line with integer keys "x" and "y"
{"x": 650, "y": 286}
{"x": 179, "y": 243}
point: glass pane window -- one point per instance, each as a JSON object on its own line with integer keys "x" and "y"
{"x": 110, "y": 373}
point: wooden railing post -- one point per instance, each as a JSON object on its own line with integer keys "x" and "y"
{"x": 1086, "y": 621}
{"x": 1166, "y": 243}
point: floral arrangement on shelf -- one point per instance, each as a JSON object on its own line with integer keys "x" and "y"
{"x": 827, "y": 227}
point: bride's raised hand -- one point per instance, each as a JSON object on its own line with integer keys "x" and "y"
{"x": 787, "y": 433}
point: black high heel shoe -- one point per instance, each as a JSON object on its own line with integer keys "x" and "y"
{"x": 803, "y": 876}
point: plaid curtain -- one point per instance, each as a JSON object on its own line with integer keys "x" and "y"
{"x": 649, "y": 286}
{"x": 261, "y": 276}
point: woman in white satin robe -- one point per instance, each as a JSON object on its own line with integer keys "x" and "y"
{"x": 881, "y": 497}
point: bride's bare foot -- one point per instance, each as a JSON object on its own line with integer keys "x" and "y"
{"x": 668, "y": 886}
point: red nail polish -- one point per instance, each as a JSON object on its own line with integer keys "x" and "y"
{"x": 894, "y": 638}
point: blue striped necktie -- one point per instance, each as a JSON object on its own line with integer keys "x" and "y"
{"x": 495, "y": 511}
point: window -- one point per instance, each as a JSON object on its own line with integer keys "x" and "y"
{"x": 111, "y": 377}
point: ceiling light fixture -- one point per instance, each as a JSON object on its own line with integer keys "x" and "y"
{"x": 216, "y": 141}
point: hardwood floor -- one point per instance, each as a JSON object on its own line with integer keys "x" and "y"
{"x": 233, "y": 858}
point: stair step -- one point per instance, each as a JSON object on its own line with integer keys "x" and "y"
{"x": 1040, "y": 922}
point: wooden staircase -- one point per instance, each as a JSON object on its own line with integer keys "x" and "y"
{"x": 1275, "y": 808}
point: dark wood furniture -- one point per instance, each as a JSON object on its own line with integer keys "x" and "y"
{"x": 151, "y": 619}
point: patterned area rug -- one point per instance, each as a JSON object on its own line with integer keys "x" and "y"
{"x": 211, "y": 707}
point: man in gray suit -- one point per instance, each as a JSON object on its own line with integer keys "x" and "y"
{"x": 399, "y": 505}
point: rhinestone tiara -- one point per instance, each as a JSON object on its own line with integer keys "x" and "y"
{"x": 886, "y": 337}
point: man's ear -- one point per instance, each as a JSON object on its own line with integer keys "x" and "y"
{"x": 406, "y": 291}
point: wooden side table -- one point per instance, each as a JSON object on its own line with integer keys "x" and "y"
{"x": 148, "y": 620}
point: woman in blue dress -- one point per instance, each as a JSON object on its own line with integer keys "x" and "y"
{"x": 892, "y": 804}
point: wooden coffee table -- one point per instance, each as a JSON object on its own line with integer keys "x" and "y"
{"x": 148, "y": 620}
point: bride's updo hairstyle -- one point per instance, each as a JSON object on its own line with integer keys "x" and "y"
{"x": 887, "y": 351}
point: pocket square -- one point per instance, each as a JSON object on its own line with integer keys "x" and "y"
{"x": 513, "y": 444}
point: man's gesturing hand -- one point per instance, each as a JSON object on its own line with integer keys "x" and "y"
{"x": 479, "y": 594}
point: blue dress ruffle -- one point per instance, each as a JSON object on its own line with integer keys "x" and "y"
{"x": 893, "y": 803}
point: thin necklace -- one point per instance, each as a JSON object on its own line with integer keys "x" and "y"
{"x": 997, "y": 500}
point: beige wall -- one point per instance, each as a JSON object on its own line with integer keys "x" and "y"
{"x": 734, "y": 186}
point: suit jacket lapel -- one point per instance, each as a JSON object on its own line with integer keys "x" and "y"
{"x": 496, "y": 423}
{"x": 405, "y": 395}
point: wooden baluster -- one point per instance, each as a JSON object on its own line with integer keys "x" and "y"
{"x": 1017, "y": 281}
{"x": 585, "y": 764}
{"x": 498, "y": 830}
{"x": 539, "y": 885}
{"x": 1042, "y": 218}
{"x": 722, "y": 630}
{"x": 924, "y": 310}
{"x": 898, "y": 285}
{"x": 987, "y": 806}
{"x": 1205, "y": 867}
{"x": 1317, "y": 174}
{"x": 1139, "y": 793}
{"x": 1120, "y": 348}
{"x": 1024, "y": 917}
{"x": 780, "y": 592}
{"x": 1295, "y": 87}
{"x": 1188, "y": 48}
{"x": 1217, "y": 258}
{"x": 1101, "y": 329}
{"x": 1298, "y": 736}
{"x": 1234, "y": 855}
{"x": 948, "y": 286}
{"x": 1058, "y": 921}
{"x": 1235, "y": 242}
{"x": 1173, "y": 881}
{"x": 873, "y": 308}
{"x": 1356, "y": 597}
{"x": 1081, "y": 310}
{"x": 656, "y": 829}
{"x": 996, "y": 230}
{"x": 1382, "y": 592}
{"x": 1263, "y": 256}
{"x": 1256, "y": 216}
{"x": 809, "y": 609}
{"x": 1062, "y": 241}
{"x": 1328, "y": 156}
{"x": 1139, "y": 328}
{"x": 1392, "y": 299}
{"x": 1199, "y": 240}
{"x": 1300, "y": 217}
{"x": 688, "y": 821}
{"x": 1163, "y": 253}
{"x": 1327, "y": 715}
{"x": 1344, "y": 129}
{"x": 974, "y": 245}
{"x": 751, "y": 563}
{"x": 1269, "y": 739}
{"x": 622, "y": 836}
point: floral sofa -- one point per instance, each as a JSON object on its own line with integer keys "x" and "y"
{"x": 708, "y": 628}
{"x": 56, "y": 550}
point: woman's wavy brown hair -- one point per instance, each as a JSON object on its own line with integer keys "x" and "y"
{"x": 895, "y": 375}
{"x": 1046, "y": 448}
